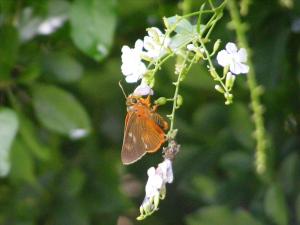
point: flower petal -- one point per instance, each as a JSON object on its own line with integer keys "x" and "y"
{"x": 223, "y": 58}
{"x": 143, "y": 89}
{"x": 231, "y": 47}
{"x": 242, "y": 55}
{"x": 238, "y": 68}
{"x": 244, "y": 68}
{"x": 138, "y": 46}
{"x": 132, "y": 78}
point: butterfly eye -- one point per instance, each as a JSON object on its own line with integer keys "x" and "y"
{"x": 134, "y": 100}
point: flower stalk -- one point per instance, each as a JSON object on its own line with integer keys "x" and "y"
{"x": 255, "y": 92}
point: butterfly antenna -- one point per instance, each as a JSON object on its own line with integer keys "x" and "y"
{"x": 122, "y": 89}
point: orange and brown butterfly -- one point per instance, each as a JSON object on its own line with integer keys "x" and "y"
{"x": 144, "y": 130}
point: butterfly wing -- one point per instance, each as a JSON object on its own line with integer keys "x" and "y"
{"x": 141, "y": 135}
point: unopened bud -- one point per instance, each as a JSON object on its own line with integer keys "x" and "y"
{"x": 219, "y": 88}
{"x": 228, "y": 98}
{"x": 179, "y": 100}
{"x": 216, "y": 45}
{"x": 225, "y": 70}
{"x": 154, "y": 34}
{"x": 229, "y": 80}
{"x": 167, "y": 25}
{"x": 213, "y": 73}
{"x": 161, "y": 101}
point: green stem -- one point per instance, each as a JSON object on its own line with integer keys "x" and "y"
{"x": 211, "y": 66}
{"x": 255, "y": 92}
{"x": 177, "y": 85}
{"x": 205, "y": 11}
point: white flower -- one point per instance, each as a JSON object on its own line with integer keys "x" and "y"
{"x": 155, "y": 44}
{"x": 51, "y": 24}
{"x": 143, "y": 89}
{"x": 166, "y": 171}
{"x": 233, "y": 58}
{"x": 154, "y": 183}
{"x": 132, "y": 66}
{"x": 156, "y": 187}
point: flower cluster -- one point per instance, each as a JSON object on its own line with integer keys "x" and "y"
{"x": 152, "y": 48}
{"x": 156, "y": 187}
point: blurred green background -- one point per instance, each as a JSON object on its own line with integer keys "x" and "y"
{"x": 62, "y": 116}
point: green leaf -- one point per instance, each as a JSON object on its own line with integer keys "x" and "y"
{"x": 288, "y": 172}
{"x": 297, "y": 207}
{"x": 243, "y": 217}
{"x": 73, "y": 182}
{"x": 60, "y": 112}
{"x": 9, "y": 45}
{"x": 210, "y": 118}
{"x": 241, "y": 124}
{"x": 178, "y": 41}
{"x": 93, "y": 23}
{"x": 206, "y": 187}
{"x": 63, "y": 67}
{"x": 275, "y": 205}
{"x": 236, "y": 162}
{"x": 221, "y": 215}
{"x": 29, "y": 136}
{"x": 8, "y": 129}
{"x": 211, "y": 215}
{"x": 22, "y": 165}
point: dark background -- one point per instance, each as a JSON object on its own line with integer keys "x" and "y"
{"x": 57, "y": 180}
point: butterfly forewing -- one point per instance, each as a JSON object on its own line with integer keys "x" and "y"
{"x": 141, "y": 135}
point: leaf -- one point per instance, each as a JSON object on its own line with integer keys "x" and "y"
{"x": 22, "y": 168}
{"x": 63, "y": 67}
{"x": 236, "y": 163}
{"x": 8, "y": 129}
{"x": 206, "y": 187}
{"x": 93, "y": 23}
{"x": 178, "y": 41}
{"x": 216, "y": 215}
{"x": 221, "y": 215}
{"x": 9, "y": 45}
{"x": 60, "y": 112}
{"x": 243, "y": 217}
{"x": 210, "y": 118}
{"x": 241, "y": 124}
{"x": 297, "y": 207}
{"x": 275, "y": 205}
{"x": 288, "y": 172}
{"x": 29, "y": 136}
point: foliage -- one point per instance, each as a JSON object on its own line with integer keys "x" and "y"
{"x": 62, "y": 115}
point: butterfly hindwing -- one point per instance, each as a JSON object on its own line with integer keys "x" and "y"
{"x": 141, "y": 135}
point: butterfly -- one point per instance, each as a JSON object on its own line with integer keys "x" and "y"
{"x": 144, "y": 129}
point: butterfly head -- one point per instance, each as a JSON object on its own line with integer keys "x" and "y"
{"x": 132, "y": 100}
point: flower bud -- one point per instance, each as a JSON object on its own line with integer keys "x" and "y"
{"x": 229, "y": 98}
{"x": 229, "y": 80}
{"x": 216, "y": 45}
{"x": 167, "y": 25}
{"x": 225, "y": 70}
{"x": 154, "y": 34}
{"x": 161, "y": 101}
{"x": 219, "y": 88}
{"x": 213, "y": 73}
{"x": 179, "y": 100}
